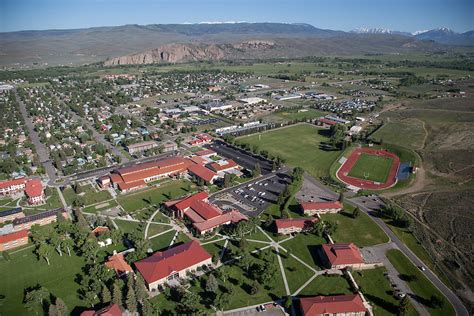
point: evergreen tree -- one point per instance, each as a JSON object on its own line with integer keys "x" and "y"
{"x": 211, "y": 284}
{"x": 117, "y": 294}
{"x": 140, "y": 289}
{"x": 105, "y": 295}
{"x": 131, "y": 300}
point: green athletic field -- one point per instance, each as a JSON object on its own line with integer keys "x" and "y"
{"x": 371, "y": 167}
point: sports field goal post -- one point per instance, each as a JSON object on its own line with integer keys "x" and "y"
{"x": 366, "y": 175}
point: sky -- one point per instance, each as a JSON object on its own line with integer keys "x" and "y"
{"x": 346, "y": 15}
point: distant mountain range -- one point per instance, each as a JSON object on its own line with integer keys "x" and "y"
{"x": 228, "y": 40}
{"x": 442, "y": 35}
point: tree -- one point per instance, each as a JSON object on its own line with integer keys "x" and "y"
{"x": 211, "y": 284}
{"x": 257, "y": 170}
{"x": 288, "y": 302}
{"x": 221, "y": 300}
{"x": 117, "y": 294}
{"x": 330, "y": 227}
{"x": 131, "y": 300}
{"x": 58, "y": 309}
{"x": 189, "y": 303}
{"x": 146, "y": 308}
{"x": 90, "y": 249}
{"x": 318, "y": 228}
{"x": 255, "y": 288}
{"x": 35, "y": 297}
{"x": 403, "y": 307}
{"x": 140, "y": 289}
{"x": 356, "y": 212}
{"x": 341, "y": 197}
{"x": 436, "y": 302}
{"x": 105, "y": 295}
{"x": 44, "y": 251}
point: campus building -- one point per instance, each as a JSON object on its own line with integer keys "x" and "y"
{"x": 10, "y": 215}
{"x": 287, "y": 226}
{"x": 136, "y": 177}
{"x": 173, "y": 264}
{"x": 334, "y": 305}
{"x": 201, "y": 172}
{"x": 343, "y": 255}
{"x": 32, "y": 188}
{"x": 13, "y": 240}
{"x": 140, "y": 147}
{"x": 204, "y": 216}
{"x": 41, "y": 219}
{"x": 313, "y": 208}
{"x": 117, "y": 263}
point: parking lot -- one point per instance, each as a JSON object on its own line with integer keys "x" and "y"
{"x": 241, "y": 157}
{"x": 252, "y": 198}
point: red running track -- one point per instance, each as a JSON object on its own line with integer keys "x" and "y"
{"x": 344, "y": 170}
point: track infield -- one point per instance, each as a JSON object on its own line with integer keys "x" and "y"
{"x": 371, "y": 169}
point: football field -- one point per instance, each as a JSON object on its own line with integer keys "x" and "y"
{"x": 372, "y": 167}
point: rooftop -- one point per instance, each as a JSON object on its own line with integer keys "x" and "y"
{"x": 335, "y": 304}
{"x": 343, "y": 253}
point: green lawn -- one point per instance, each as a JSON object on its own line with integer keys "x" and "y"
{"x": 135, "y": 201}
{"x": 377, "y": 289}
{"x": 327, "y": 285}
{"x": 157, "y": 228}
{"x": 299, "y": 145}
{"x": 300, "y": 115}
{"x": 127, "y": 226}
{"x": 89, "y": 195}
{"x": 305, "y": 247}
{"x": 24, "y": 270}
{"x": 419, "y": 284}
{"x": 100, "y": 207}
{"x": 371, "y": 167}
{"x": 296, "y": 272}
{"x": 215, "y": 248}
{"x": 162, "y": 241}
{"x": 361, "y": 230}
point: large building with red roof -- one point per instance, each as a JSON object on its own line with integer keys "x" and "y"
{"x": 343, "y": 255}
{"x": 34, "y": 192}
{"x": 335, "y": 305}
{"x": 203, "y": 215}
{"x": 136, "y": 177}
{"x": 287, "y": 226}
{"x": 13, "y": 240}
{"x": 313, "y": 208}
{"x": 33, "y": 189}
{"x": 201, "y": 172}
{"x": 173, "y": 264}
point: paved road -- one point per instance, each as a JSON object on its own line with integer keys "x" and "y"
{"x": 41, "y": 149}
{"x": 453, "y": 299}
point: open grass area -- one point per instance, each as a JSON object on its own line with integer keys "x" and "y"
{"x": 419, "y": 284}
{"x": 361, "y": 230}
{"x": 157, "y": 228}
{"x": 371, "y": 167}
{"x": 296, "y": 272}
{"x": 300, "y": 114}
{"x": 162, "y": 241}
{"x": 305, "y": 247}
{"x": 127, "y": 226}
{"x": 100, "y": 206}
{"x": 88, "y": 194}
{"x": 407, "y": 133}
{"x": 377, "y": 290}
{"x": 170, "y": 190}
{"x": 327, "y": 285}
{"x": 23, "y": 270}
{"x": 299, "y": 145}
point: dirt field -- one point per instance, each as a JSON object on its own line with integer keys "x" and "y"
{"x": 442, "y": 199}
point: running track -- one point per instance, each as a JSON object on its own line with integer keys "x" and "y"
{"x": 344, "y": 170}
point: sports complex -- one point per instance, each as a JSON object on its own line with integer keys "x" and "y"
{"x": 371, "y": 169}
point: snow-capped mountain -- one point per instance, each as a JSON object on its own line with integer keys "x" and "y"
{"x": 377, "y": 30}
{"x": 447, "y": 36}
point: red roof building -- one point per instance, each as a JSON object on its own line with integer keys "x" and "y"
{"x": 325, "y": 121}
{"x": 99, "y": 230}
{"x": 336, "y": 305}
{"x": 203, "y": 173}
{"x": 13, "y": 240}
{"x": 118, "y": 264}
{"x": 342, "y": 255}
{"x": 312, "y": 208}
{"x": 204, "y": 216}
{"x": 173, "y": 264}
{"x": 34, "y": 192}
{"x": 8, "y": 187}
{"x": 111, "y": 310}
{"x": 223, "y": 165}
{"x": 136, "y": 177}
{"x": 293, "y": 225}
{"x": 205, "y": 153}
